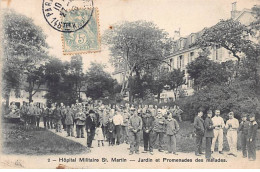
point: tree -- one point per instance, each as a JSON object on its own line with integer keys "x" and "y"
{"x": 35, "y": 78}
{"x": 229, "y": 34}
{"x": 99, "y": 83}
{"x": 206, "y": 72}
{"x": 24, "y": 46}
{"x": 76, "y": 73}
{"x": 159, "y": 82}
{"x": 138, "y": 45}
{"x": 176, "y": 80}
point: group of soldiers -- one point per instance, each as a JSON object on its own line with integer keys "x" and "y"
{"x": 119, "y": 123}
{"x": 212, "y": 128}
{"x": 125, "y": 123}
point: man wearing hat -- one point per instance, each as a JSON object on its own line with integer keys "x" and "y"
{"x": 219, "y": 124}
{"x": 90, "y": 128}
{"x": 135, "y": 127}
{"x": 243, "y": 127}
{"x": 209, "y": 134}
{"x": 199, "y": 131}
{"x": 147, "y": 120}
{"x": 126, "y": 117}
{"x": 232, "y": 126}
{"x": 80, "y": 118}
{"x": 158, "y": 129}
{"x": 253, "y": 126}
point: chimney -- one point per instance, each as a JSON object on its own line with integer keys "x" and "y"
{"x": 234, "y": 11}
{"x": 177, "y": 34}
{"x": 234, "y": 6}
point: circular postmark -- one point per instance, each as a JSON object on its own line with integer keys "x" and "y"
{"x": 64, "y": 15}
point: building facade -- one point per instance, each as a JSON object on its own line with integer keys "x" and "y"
{"x": 183, "y": 54}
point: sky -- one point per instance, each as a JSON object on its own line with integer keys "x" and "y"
{"x": 187, "y": 15}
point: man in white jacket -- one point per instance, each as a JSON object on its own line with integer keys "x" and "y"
{"x": 118, "y": 121}
{"x": 219, "y": 124}
{"x": 232, "y": 126}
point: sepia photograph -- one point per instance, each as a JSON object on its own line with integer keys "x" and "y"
{"x": 130, "y": 84}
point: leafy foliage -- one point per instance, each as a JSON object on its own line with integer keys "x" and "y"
{"x": 24, "y": 48}
{"x": 139, "y": 45}
{"x": 99, "y": 83}
{"x": 176, "y": 80}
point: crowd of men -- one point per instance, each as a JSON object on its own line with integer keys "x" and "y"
{"x": 213, "y": 129}
{"x": 125, "y": 123}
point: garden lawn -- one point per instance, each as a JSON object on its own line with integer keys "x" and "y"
{"x": 43, "y": 142}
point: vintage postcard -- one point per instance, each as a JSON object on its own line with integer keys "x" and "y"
{"x": 130, "y": 84}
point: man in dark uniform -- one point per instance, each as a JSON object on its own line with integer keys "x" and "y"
{"x": 90, "y": 128}
{"x": 208, "y": 133}
{"x": 199, "y": 131}
{"x": 148, "y": 120}
{"x": 243, "y": 127}
{"x": 51, "y": 116}
{"x": 253, "y": 126}
{"x": 63, "y": 115}
{"x": 45, "y": 117}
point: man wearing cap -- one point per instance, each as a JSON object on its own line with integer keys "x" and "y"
{"x": 209, "y": 134}
{"x": 147, "y": 120}
{"x": 232, "y": 126}
{"x": 63, "y": 115}
{"x": 126, "y": 117}
{"x": 158, "y": 129}
{"x": 90, "y": 128}
{"x": 253, "y": 126}
{"x": 199, "y": 131}
{"x": 135, "y": 127}
{"x": 80, "y": 118}
{"x": 243, "y": 127}
{"x": 118, "y": 121}
{"x": 219, "y": 124}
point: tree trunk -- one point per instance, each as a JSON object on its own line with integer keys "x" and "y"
{"x": 175, "y": 95}
{"x": 158, "y": 97}
{"x": 30, "y": 97}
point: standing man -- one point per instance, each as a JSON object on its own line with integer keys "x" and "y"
{"x": 69, "y": 121}
{"x": 208, "y": 133}
{"x": 135, "y": 127}
{"x": 118, "y": 121}
{"x": 51, "y": 116}
{"x": 38, "y": 112}
{"x": 147, "y": 120}
{"x": 218, "y": 124}
{"x": 232, "y": 126}
{"x": 199, "y": 131}
{"x": 126, "y": 116}
{"x": 24, "y": 110}
{"x": 63, "y": 115}
{"x": 31, "y": 111}
{"x": 45, "y": 116}
{"x": 158, "y": 129}
{"x": 252, "y": 138}
{"x": 80, "y": 118}
{"x": 244, "y": 128}
{"x": 57, "y": 116}
{"x": 90, "y": 128}
{"x": 172, "y": 128}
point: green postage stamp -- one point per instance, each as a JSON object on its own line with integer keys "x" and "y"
{"x": 86, "y": 39}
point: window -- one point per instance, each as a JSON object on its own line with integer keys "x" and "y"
{"x": 171, "y": 67}
{"x": 180, "y": 62}
{"x": 191, "y": 56}
{"x": 218, "y": 53}
{"x": 192, "y": 39}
